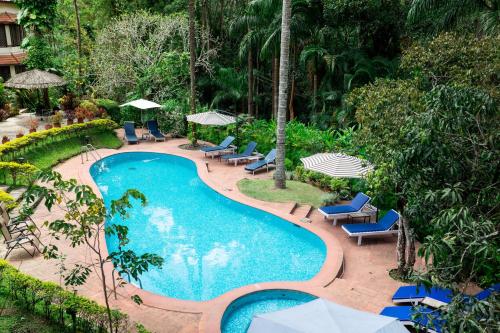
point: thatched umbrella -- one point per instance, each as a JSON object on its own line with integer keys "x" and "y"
{"x": 36, "y": 79}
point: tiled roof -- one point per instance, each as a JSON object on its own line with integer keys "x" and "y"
{"x": 12, "y": 59}
{"x": 8, "y": 17}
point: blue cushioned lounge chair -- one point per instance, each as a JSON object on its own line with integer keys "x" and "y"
{"x": 130, "y": 136}
{"x": 266, "y": 162}
{"x": 341, "y": 211}
{"x": 386, "y": 226}
{"x": 153, "y": 129}
{"x": 416, "y": 294}
{"x": 428, "y": 318}
{"x": 224, "y": 145}
{"x": 238, "y": 157}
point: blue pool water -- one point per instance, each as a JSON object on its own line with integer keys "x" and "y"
{"x": 239, "y": 314}
{"x": 211, "y": 244}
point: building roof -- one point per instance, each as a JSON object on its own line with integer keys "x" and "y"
{"x": 7, "y": 17}
{"x": 12, "y": 59}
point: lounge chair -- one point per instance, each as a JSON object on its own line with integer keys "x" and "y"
{"x": 130, "y": 135}
{"x": 428, "y": 318}
{"x": 17, "y": 224}
{"x": 417, "y": 294}
{"x": 223, "y": 146}
{"x": 383, "y": 227}
{"x": 19, "y": 240}
{"x": 341, "y": 211}
{"x": 266, "y": 162}
{"x": 238, "y": 157}
{"x": 154, "y": 131}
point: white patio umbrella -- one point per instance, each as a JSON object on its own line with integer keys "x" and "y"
{"x": 337, "y": 165}
{"x": 212, "y": 118}
{"x": 320, "y": 316}
{"x": 142, "y": 104}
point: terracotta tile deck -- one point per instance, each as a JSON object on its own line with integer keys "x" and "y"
{"x": 355, "y": 276}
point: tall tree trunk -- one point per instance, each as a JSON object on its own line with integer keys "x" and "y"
{"x": 279, "y": 175}
{"x": 250, "y": 82}
{"x": 192, "y": 67}
{"x": 410, "y": 246}
{"x": 274, "y": 88}
{"x": 79, "y": 48}
{"x": 256, "y": 105}
{"x": 401, "y": 247}
{"x": 315, "y": 89}
{"x": 292, "y": 91}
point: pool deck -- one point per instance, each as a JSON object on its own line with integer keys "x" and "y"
{"x": 352, "y": 275}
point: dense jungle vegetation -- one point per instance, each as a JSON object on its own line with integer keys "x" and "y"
{"x": 411, "y": 85}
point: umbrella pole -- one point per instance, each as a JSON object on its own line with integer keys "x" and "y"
{"x": 46, "y": 99}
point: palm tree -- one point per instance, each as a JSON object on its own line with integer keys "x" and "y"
{"x": 192, "y": 67}
{"x": 279, "y": 176}
{"x": 451, "y": 12}
{"x": 78, "y": 47}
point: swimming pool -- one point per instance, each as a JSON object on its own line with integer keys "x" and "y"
{"x": 210, "y": 243}
{"x": 239, "y": 314}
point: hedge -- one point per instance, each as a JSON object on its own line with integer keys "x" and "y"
{"x": 7, "y": 199}
{"x": 14, "y": 170}
{"x": 73, "y": 312}
{"x": 9, "y": 149}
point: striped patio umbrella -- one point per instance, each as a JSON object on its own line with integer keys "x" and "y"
{"x": 213, "y": 118}
{"x": 337, "y": 165}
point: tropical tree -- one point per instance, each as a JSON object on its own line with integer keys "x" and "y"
{"x": 83, "y": 224}
{"x": 279, "y": 175}
{"x": 447, "y": 14}
{"x": 192, "y": 67}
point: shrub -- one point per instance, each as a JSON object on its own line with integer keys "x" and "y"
{"x": 456, "y": 58}
{"x": 7, "y": 199}
{"x": 302, "y": 140}
{"x": 91, "y": 110}
{"x": 112, "y": 109}
{"x": 12, "y": 148}
{"x": 16, "y": 170}
{"x": 56, "y": 304}
{"x": 171, "y": 117}
{"x": 330, "y": 199}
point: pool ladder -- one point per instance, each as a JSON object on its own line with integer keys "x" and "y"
{"x": 87, "y": 150}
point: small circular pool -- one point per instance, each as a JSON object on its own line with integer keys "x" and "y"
{"x": 239, "y": 313}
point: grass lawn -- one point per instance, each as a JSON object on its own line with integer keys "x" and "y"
{"x": 295, "y": 192}
{"x": 14, "y": 318}
{"x": 50, "y": 155}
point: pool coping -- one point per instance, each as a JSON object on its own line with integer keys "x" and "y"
{"x": 213, "y": 310}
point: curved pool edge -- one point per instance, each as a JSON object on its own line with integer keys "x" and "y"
{"x": 212, "y": 310}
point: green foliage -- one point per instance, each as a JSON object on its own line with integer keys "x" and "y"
{"x": 83, "y": 225}
{"x": 142, "y": 55}
{"x": 381, "y": 109}
{"x": 7, "y": 199}
{"x": 16, "y": 170}
{"x": 446, "y": 14}
{"x": 21, "y": 145}
{"x": 57, "y": 305}
{"x": 37, "y": 15}
{"x": 39, "y": 53}
{"x": 378, "y": 22}
{"x": 457, "y": 195}
{"x": 171, "y": 118}
{"x": 453, "y": 58}
{"x": 111, "y": 107}
{"x": 302, "y": 140}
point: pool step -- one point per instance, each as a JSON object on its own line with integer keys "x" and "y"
{"x": 303, "y": 211}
